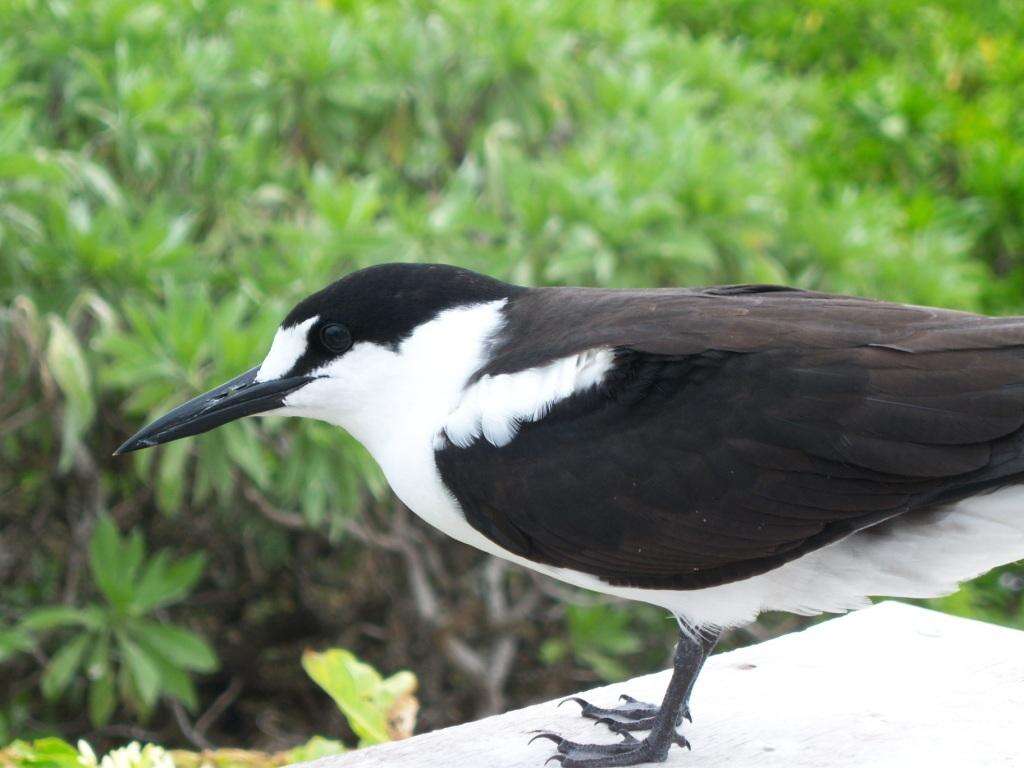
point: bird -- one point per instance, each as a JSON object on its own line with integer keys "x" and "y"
{"x": 717, "y": 452}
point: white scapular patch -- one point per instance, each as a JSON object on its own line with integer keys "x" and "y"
{"x": 495, "y": 406}
{"x": 288, "y": 346}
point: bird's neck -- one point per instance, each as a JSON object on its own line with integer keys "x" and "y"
{"x": 410, "y": 392}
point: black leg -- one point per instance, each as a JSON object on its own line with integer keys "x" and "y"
{"x": 692, "y": 650}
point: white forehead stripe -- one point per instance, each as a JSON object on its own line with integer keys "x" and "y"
{"x": 495, "y": 406}
{"x": 289, "y": 345}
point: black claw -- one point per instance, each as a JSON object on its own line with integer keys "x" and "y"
{"x": 681, "y": 741}
{"x": 582, "y": 702}
{"x": 546, "y": 735}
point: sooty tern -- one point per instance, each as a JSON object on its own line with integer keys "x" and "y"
{"x": 717, "y": 452}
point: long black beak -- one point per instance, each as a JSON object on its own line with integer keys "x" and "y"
{"x": 242, "y": 396}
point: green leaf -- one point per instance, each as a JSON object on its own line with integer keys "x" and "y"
{"x": 144, "y": 671}
{"x": 14, "y": 641}
{"x": 164, "y": 583}
{"x": 246, "y": 450}
{"x": 402, "y": 683}
{"x": 63, "y": 665}
{"x": 54, "y": 616}
{"x": 133, "y": 551}
{"x": 98, "y": 663}
{"x": 42, "y": 753}
{"x": 178, "y": 646}
{"x": 177, "y": 684}
{"x": 170, "y": 490}
{"x": 102, "y": 700}
{"x": 66, "y": 362}
{"x": 358, "y": 690}
{"x": 107, "y": 560}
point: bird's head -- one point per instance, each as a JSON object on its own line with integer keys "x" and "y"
{"x": 351, "y": 353}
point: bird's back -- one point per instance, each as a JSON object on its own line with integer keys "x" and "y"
{"x": 739, "y": 428}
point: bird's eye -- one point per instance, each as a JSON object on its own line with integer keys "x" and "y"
{"x": 335, "y": 337}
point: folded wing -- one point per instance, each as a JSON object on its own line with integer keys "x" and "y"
{"x": 740, "y": 428}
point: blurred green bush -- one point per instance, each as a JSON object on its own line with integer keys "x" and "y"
{"x": 116, "y": 648}
{"x": 174, "y": 175}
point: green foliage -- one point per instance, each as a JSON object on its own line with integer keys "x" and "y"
{"x": 114, "y": 646}
{"x": 606, "y": 638}
{"x": 924, "y": 99}
{"x": 173, "y": 176}
{"x": 41, "y": 753}
{"x": 57, "y": 753}
{"x": 361, "y": 693}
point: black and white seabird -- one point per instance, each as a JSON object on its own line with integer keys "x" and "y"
{"x": 718, "y": 452}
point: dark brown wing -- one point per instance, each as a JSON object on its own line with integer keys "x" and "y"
{"x": 741, "y": 428}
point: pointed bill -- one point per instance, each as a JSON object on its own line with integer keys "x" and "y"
{"x": 242, "y": 396}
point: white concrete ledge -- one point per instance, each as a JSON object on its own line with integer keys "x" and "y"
{"x": 892, "y": 685}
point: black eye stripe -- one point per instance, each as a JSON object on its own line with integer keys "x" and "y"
{"x": 335, "y": 337}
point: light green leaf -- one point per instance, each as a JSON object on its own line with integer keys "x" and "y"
{"x": 102, "y": 700}
{"x": 133, "y": 552}
{"x": 163, "y": 583}
{"x": 66, "y": 362}
{"x": 179, "y": 646}
{"x": 402, "y": 683}
{"x": 107, "y": 558}
{"x": 245, "y": 450}
{"x": 177, "y": 684}
{"x": 170, "y": 488}
{"x": 42, "y": 753}
{"x": 98, "y": 663}
{"x": 14, "y": 641}
{"x": 358, "y": 690}
{"x": 144, "y": 670}
{"x": 54, "y": 616}
{"x": 63, "y": 665}
{"x": 101, "y": 182}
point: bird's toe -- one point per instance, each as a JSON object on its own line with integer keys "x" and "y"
{"x": 627, "y": 752}
{"x": 630, "y": 715}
